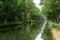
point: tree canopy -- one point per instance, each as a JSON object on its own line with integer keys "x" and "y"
{"x": 22, "y": 13}
{"x": 51, "y": 9}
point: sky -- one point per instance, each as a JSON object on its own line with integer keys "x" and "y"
{"x": 37, "y": 3}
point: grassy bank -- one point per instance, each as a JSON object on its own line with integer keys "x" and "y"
{"x": 47, "y": 35}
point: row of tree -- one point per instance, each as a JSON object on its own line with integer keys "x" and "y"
{"x": 18, "y": 12}
{"x": 51, "y": 9}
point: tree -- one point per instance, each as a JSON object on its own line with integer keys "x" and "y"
{"x": 20, "y": 19}
{"x": 51, "y": 9}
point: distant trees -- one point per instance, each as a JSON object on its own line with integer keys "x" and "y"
{"x": 19, "y": 20}
{"x": 8, "y": 10}
{"x": 18, "y": 12}
{"x": 51, "y": 9}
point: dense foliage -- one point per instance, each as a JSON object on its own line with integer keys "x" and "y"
{"x": 51, "y": 9}
{"x": 17, "y": 11}
{"x": 47, "y": 35}
{"x": 19, "y": 20}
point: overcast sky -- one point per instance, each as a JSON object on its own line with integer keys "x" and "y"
{"x": 37, "y": 3}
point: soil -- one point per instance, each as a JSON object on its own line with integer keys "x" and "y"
{"x": 56, "y": 33}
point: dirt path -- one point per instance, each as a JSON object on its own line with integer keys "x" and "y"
{"x": 56, "y": 34}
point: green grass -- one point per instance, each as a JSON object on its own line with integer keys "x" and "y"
{"x": 47, "y": 35}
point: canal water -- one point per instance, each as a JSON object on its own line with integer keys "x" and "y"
{"x": 39, "y": 36}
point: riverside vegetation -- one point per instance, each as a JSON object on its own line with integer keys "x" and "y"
{"x": 51, "y": 9}
{"x": 19, "y": 20}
